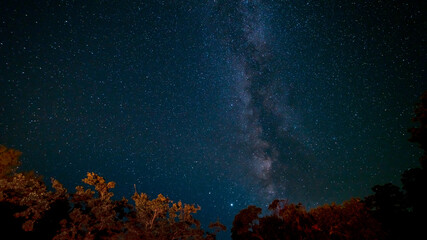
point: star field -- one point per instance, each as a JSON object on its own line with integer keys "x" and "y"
{"x": 218, "y": 103}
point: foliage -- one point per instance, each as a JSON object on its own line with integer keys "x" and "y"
{"x": 92, "y": 217}
{"x": 351, "y": 220}
{"x": 160, "y": 218}
{"x": 88, "y": 214}
{"x": 9, "y": 161}
{"x": 245, "y": 223}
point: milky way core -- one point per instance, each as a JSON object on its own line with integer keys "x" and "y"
{"x": 262, "y": 107}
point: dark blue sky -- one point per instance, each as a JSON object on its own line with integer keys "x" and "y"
{"x": 219, "y": 103}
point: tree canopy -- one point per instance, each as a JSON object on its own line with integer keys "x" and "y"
{"x": 29, "y": 210}
{"x": 288, "y": 221}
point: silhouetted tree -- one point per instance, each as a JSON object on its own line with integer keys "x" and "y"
{"x": 415, "y": 186}
{"x": 415, "y": 180}
{"x": 418, "y": 134}
{"x": 400, "y": 211}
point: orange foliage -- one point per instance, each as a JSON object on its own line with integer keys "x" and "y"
{"x": 93, "y": 214}
{"x": 9, "y": 160}
{"x": 351, "y": 220}
{"x": 348, "y": 221}
{"x": 26, "y": 190}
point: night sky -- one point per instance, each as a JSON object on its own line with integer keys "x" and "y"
{"x": 218, "y": 103}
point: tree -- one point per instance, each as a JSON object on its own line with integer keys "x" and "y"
{"x": 9, "y": 161}
{"x": 415, "y": 180}
{"x": 296, "y": 222}
{"x": 349, "y": 221}
{"x": 400, "y": 210}
{"x": 25, "y": 196}
{"x": 160, "y": 218}
{"x": 245, "y": 224}
{"x": 419, "y": 134}
{"x": 93, "y": 217}
{"x": 30, "y": 211}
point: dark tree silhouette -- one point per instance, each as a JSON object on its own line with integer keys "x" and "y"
{"x": 415, "y": 180}
{"x": 401, "y": 211}
{"x": 419, "y": 134}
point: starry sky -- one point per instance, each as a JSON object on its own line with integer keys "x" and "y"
{"x": 218, "y": 103}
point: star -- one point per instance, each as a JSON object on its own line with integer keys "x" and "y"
{"x": 278, "y": 98}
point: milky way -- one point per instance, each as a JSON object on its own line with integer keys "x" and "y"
{"x": 268, "y": 123}
{"x": 221, "y": 103}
